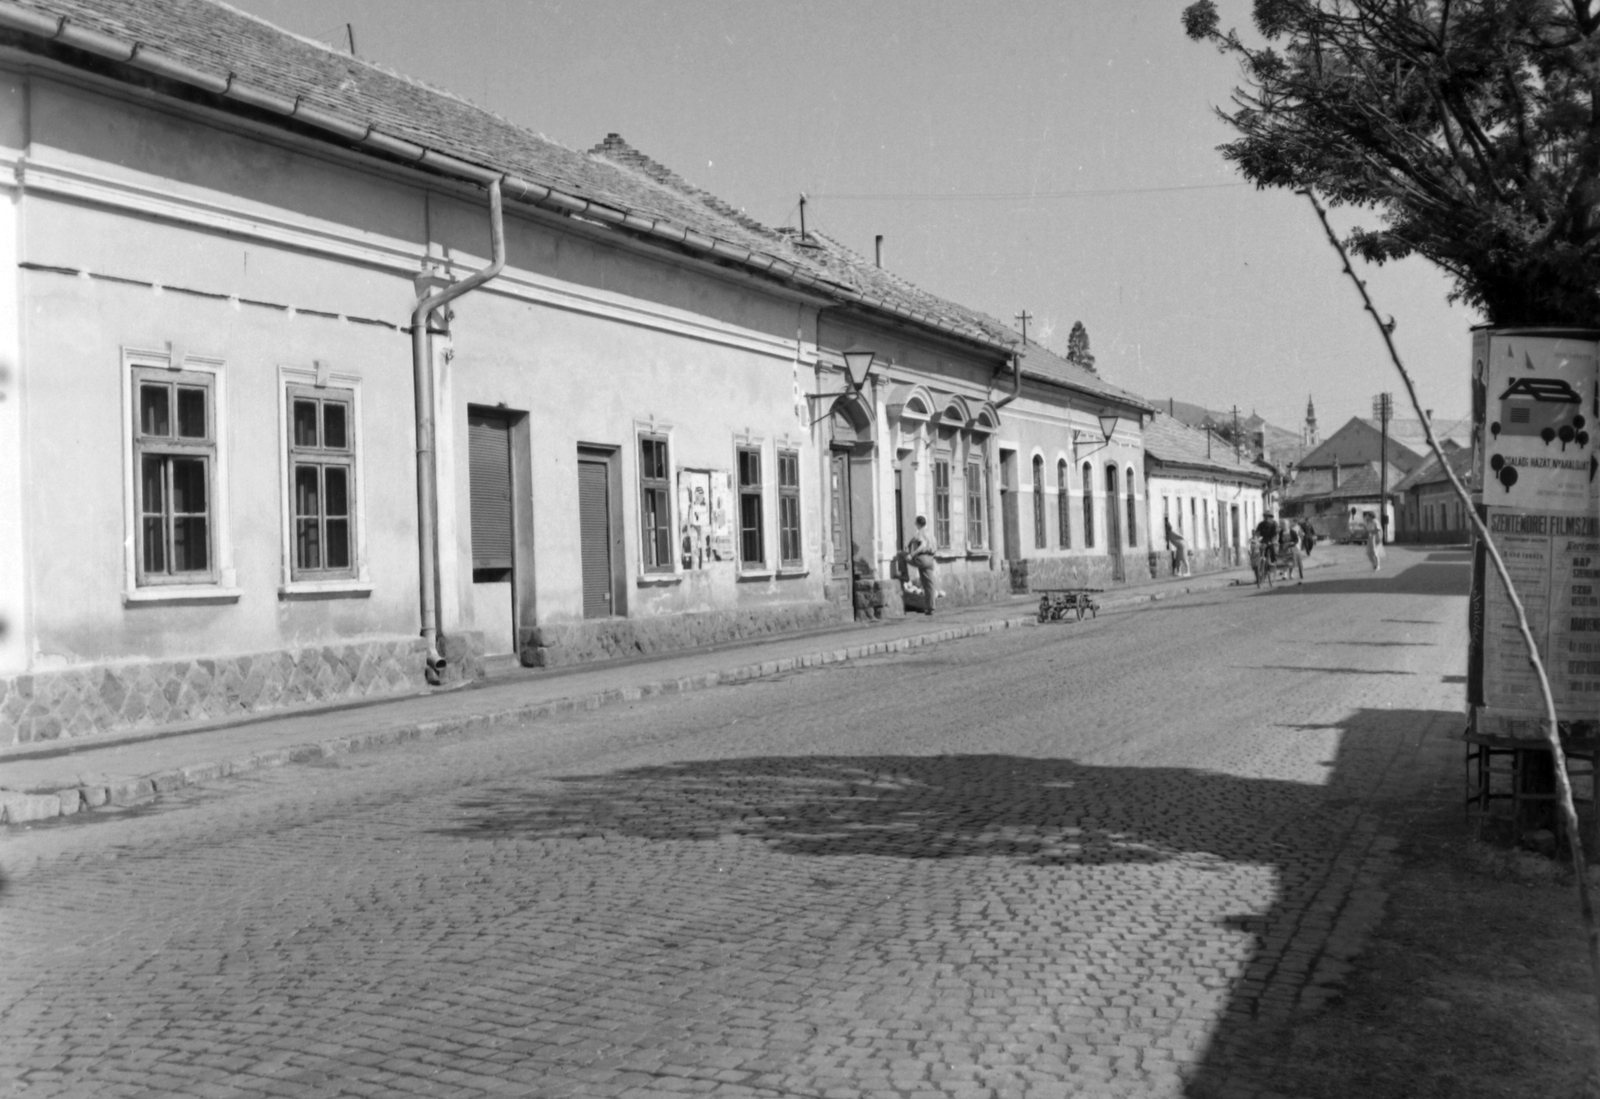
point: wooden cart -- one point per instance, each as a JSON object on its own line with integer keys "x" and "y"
{"x": 1058, "y": 604}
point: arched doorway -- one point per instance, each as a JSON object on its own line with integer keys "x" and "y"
{"x": 850, "y": 498}
{"x": 1113, "y": 525}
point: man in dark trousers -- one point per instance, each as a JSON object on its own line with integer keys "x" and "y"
{"x": 920, "y": 554}
{"x": 1267, "y": 531}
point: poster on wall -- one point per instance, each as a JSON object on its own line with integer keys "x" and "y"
{"x": 1536, "y": 402}
{"x": 721, "y": 540}
{"x": 1554, "y": 562}
{"x": 694, "y": 517}
{"x": 1540, "y": 402}
{"x": 705, "y": 530}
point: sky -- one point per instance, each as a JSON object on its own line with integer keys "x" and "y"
{"x": 1054, "y": 157}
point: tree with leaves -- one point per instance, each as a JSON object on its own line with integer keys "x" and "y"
{"x": 1471, "y": 127}
{"x": 1078, "y": 346}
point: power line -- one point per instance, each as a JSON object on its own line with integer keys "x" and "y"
{"x": 1013, "y": 195}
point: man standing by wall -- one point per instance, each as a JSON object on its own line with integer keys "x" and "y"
{"x": 921, "y": 549}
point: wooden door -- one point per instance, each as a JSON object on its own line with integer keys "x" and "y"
{"x": 594, "y": 520}
{"x": 839, "y": 510}
{"x": 1113, "y": 526}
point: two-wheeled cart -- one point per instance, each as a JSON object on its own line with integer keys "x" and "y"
{"x": 1060, "y": 604}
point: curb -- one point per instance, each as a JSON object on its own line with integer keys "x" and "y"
{"x": 119, "y": 791}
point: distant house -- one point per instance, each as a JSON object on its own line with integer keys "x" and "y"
{"x": 1428, "y": 508}
{"x": 1336, "y": 498}
{"x": 1195, "y": 483}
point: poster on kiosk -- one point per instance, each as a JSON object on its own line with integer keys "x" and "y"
{"x": 1536, "y": 437}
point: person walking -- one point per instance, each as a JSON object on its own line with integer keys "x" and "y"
{"x": 920, "y": 549}
{"x": 1180, "y": 551}
{"x": 1374, "y": 541}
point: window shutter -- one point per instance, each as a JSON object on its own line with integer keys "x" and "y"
{"x": 489, "y": 446}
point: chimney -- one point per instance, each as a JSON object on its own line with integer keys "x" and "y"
{"x": 1169, "y": 407}
{"x": 877, "y": 246}
{"x": 1336, "y": 471}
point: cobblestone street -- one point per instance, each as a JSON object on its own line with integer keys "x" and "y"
{"x": 1097, "y": 858}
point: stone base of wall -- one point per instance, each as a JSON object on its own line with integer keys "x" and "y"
{"x": 1206, "y": 560}
{"x": 106, "y": 698}
{"x": 567, "y": 643}
{"x": 1031, "y": 574}
{"x": 969, "y": 587}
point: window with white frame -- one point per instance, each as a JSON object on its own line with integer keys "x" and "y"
{"x": 1040, "y": 541}
{"x": 1133, "y": 510}
{"x": 1063, "y": 505}
{"x": 322, "y": 461}
{"x": 655, "y": 503}
{"x": 175, "y": 458}
{"x": 752, "y": 529}
{"x": 791, "y": 551}
{"x": 975, "y": 509}
{"x": 1088, "y": 506}
{"x": 941, "y": 501}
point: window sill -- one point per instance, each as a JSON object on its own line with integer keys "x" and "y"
{"x": 324, "y": 589}
{"x": 792, "y": 574}
{"x": 658, "y": 580}
{"x": 979, "y": 555}
{"x": 754, "y": 574}
{"x": 178, "y": 595}
{"x": 947, "y": 555}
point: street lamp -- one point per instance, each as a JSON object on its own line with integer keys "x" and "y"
{"x": 857, "y": 362}
{"x": 1108, "y": 424}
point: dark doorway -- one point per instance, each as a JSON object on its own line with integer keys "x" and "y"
{"x": 489, "y": 478}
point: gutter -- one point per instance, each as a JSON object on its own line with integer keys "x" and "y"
{"x": 366, "y": 136}
{"x": 1016, "y": 383}
{"x": 427, "y": 467}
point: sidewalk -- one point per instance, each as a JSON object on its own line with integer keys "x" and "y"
{"x": 62, "y": 778}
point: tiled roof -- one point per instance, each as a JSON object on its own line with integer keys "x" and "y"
{"x": 247, "y": 63}
{"x": 1354, "y": 481}
{"x": 1041, "y": 362}
{"x": 1173, "y": 442}
{"x": 1431, "y": 472}
{"x": 1038, "y": 362}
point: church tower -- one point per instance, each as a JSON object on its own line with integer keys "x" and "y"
{"x": 1311, "y": 423}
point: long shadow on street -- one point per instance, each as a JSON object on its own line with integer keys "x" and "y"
{"x": 1045, "y": 813}
{"x": 1443, "y": 571}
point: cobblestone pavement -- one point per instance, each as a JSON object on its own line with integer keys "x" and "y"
{"x": 1099, "y": 858}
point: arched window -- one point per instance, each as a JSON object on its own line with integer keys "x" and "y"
{"x": 1133, "y": 512}
{"x": 1063, "y": 504}
{"x": 1088, "y": 505}
{"x": 1038, "y": 503}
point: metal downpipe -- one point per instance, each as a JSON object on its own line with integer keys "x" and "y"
{"x": 427, "y": 469}
{"x": 1016, "y": 383}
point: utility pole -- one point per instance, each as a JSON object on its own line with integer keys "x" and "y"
{"x": 1383, "y": 411}
{"x": 802, "y": 217}
{"x": 350, "y": 32}
{"x": 1236, "y": 455}
{"x": 1024, "y": 317}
